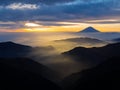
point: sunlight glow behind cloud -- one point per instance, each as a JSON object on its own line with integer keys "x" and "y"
{"x": 32, "y": 25}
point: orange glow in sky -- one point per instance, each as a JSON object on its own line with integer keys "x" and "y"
{"x": 72, "y": 27}
{"x": 66, "y": 27}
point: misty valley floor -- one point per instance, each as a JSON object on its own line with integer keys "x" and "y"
{"x": 99, "y": 70}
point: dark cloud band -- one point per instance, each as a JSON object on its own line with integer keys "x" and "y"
{"x": 6, "y": 2}
{"x": 64, "y": 10}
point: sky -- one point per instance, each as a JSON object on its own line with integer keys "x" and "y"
{"x": 59, "y": 15}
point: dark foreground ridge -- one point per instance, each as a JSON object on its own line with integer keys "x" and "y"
{"x": 104, "y": 76}
{"x": 19, "y": 74}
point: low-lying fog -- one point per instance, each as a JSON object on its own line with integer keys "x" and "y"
{"x": 48, "y": 39}
{"x": 61, "y": 42}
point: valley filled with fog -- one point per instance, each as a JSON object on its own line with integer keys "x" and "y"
{"x": 37, "y": 39}
{"x": 50, "y": 46}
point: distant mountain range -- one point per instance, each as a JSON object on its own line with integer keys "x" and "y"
{"x": 89, "y": 30}
{"x": 83, "y": 40}
{"x": 71, "y": 43}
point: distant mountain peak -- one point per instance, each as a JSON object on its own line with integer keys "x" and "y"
{"x": 90, "y": 30}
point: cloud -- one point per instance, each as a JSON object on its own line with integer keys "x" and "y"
{"x": 11, "y": 25}
{"x": 54, "y": 11}
{"x": 107, "y": 21}
{"x": 21, "y": 6}
{"x": 47, "y": 2}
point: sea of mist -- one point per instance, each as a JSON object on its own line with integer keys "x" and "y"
{"x": 42, "y": 39}
{"x": 53, "y": 58}
{"x": 45, "y": 38}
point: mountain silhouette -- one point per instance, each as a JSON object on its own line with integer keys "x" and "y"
{"x": 28, "y": 74}
{"x": 95, "y": 55}
{"x": 9, "y": 45}
{"x": 11, "y": 49}
{"x": 23, "y": 73}
{"x": 14, "y": 50}
{"x": 116, "y": 40}
{"x": 89, "y": 30}
{"x": 103, "y": 76}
